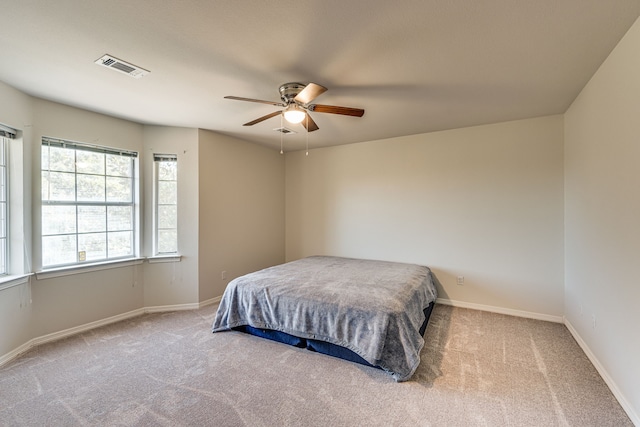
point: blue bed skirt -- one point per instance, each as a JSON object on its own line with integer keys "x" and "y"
{"x": 321, "y": 346}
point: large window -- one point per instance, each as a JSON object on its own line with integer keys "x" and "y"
{"x": 88, "y": 203}
{"x": 166, "y": 204}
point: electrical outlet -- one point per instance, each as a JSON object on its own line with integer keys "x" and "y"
{"x": 223, "y": 275}
{"x": 593, "y": 321}
{"x": 460, "y": 280}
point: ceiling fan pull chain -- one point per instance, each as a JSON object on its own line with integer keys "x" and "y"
{"x": 307, "y": 116}
{"x": 281, "y": 133}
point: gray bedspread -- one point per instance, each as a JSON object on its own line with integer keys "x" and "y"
{"x": 373, "y": 308}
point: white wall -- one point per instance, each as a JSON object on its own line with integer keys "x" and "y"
{"x": 172, "y": 283}
{"x": 65, "y": 302}
{"x": 602, "y": 216}
{"x": 235, "y": 188}
{"x": 241, "y": 210}
{"x": 16, "y": 111}
{"x": 16, "y": 108}
{"x": 483, "y": 202}
{"x": 15, "y": 308}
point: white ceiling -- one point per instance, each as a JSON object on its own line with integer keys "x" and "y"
{"x": 414, "y": 66}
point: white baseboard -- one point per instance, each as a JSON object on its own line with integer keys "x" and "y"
{"x": 175, "y": 307}
{"x": 67, "y": 333}
{"x": 179, "y": 307}
{"x": 210, "y": 301}
{"x": 635, "y": 419}
{"x": 501, "y": 310}
{"x": 87, "y": 326}
{"x": 628, "y": 408}
{"x": 98, "y": 323}
{"x": 15, "y": 353}
{"x": 193, "y": 306}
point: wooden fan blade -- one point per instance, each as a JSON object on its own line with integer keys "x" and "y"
{"x": 237, "y": 98}
{"x": 309, "y": 125}
{"x": 333, "y": 109}
{"x": 263, "y": 118}
{"x": 309, "y": 93}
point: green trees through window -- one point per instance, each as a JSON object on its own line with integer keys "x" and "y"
{"x": 88, "y": 203}
{"x": 166, "y": 204}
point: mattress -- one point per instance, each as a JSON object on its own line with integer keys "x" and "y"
{"x": 374, "y": 309}
{"x": 321, "y": 346}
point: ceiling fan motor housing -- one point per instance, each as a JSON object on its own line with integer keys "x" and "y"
{"x": 297, "y": 99}
{"x": 288, "y": 91}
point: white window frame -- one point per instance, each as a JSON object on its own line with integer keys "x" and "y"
{"x": 18, "y": 257}
{"x": 157, "y": 158}
{"x": 4, "y": 202}
{"x": 134, "y": 203}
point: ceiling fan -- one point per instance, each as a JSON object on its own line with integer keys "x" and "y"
{"x": 296, "y": 100}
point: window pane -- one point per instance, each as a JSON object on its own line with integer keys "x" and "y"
{"x": 119, "y": 166}
{"x": 120, "y": 244}
{"x": 119, "y": 218}
{"x": 3, "y": 180}
{"x": 3, "y": 222}
{"x": 167, "y": 171}
{"x": 167, "y": 241}
{"x": 44, "y": 185}
{"x": 167, "y": 216}
{"x": 167, "y": 192}
{"x": 58, "y": 186}
{"x": 3, "y": 256}
{"x": 44, "y": 158}
{"x": 58, "y": 250}
{"x": 119, "y": 189}
{"x": 89, "y": 162}
{"x": 92, "y": 218}
{"x": 58, "y": 220}
{"x": 90, "y": 188}
{"x": 61, "y": 159}
{"x": 166, "y": 210}
{"x": 93, "y": 245}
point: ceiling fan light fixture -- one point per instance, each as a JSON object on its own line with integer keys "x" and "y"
{"x": 296, "y": 100}
{"x": 294, "y": 114}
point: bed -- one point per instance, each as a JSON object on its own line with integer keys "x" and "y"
{"x": 370, "y": 312}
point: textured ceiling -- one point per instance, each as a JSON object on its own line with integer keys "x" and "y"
{"x": 414, "y": 66}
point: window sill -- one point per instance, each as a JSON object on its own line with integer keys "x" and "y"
{"x": 86, "y": 268}
{"x": 164, "y": 258}
{"x": 10, "y": 281}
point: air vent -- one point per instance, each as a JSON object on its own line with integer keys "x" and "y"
{"x": 284, "y": 130}
{"x": 122, "y": 66}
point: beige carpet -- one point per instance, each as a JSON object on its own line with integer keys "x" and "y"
{"x": 477, "y": 369}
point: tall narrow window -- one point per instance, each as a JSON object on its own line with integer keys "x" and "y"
{"x": 166, "y": 204}
{"x": 5, "y": 134}
{"x": 88, "y": 203}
